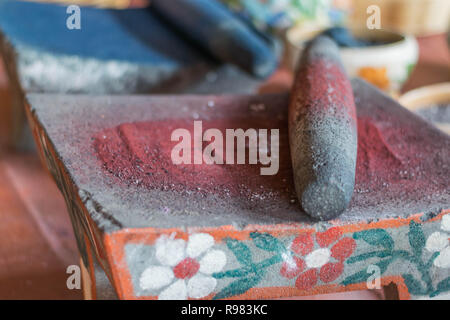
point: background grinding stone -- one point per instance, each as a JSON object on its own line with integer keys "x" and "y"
{"x": 115, "y": 52}
{"x": 402, "y": 168}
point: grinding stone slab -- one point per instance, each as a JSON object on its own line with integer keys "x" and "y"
{"x": 103, "y": 57}
{"x": 402, "y": 179}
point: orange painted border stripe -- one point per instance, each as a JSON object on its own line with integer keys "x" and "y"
{"x": 149, "y": 235}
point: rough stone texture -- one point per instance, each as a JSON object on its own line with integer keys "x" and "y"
{"x": 323, "y": 132}
{"x": 403, "y": 162}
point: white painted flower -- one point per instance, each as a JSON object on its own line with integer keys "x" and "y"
{"x": 440, "y": 242}
{"x": 183, "y": 269}
{"x": 318, "y": 258}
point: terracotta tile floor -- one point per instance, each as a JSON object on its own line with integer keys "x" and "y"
{"x": 434, "y": 63}
{"x": 37, "y": 242}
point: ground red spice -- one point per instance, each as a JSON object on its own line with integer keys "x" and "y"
{"x": 140, "y": 153}
{"x": 376, "y": 158}
{"x": 388, "y": 155}
{"x": 397, "y": 157}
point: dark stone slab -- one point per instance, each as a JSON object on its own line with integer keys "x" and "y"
{"x": 403, "y": 165}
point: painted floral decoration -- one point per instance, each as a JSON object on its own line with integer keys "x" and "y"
{"x": 440, "y": 242}
{"x": 184, "y": 268}
{"x": 192, "y": 269}
{"x": 419, "y": 283}
{"x": 326, "y": 262}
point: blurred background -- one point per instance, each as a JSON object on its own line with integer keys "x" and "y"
{"x": 134, "y": 47}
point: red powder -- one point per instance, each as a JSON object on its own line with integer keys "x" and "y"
{"x": 323, "y": 84}
{"x": 376, "y": 158}
{"x": 388, "y": 155}
{"x": 399, "y": 158}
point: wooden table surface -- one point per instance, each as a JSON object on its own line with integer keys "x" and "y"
{"x": 38, "y": 243}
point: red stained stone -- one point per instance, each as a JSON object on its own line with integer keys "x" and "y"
{"x": 324, "y": 239}
{"x": 343, "y": 249}
{"x": 376, "y": 155}
{"x": 331, "y": 271}
{"x": 393, "y": 161}
{"x": 144, "y": 195}
{"x": 289, "y": 271}
{"x": 395, "y": 156}
{"x": 186, "y": 268}
{"x": 307, "y": 280}
{"x": 303, "y": 244}
{"x": 319, "y": 74}
{"x": 142, "y": 152}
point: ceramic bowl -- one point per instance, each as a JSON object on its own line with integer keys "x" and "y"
{"x": 427, "y": 97}
{"x": 387, "y": 66}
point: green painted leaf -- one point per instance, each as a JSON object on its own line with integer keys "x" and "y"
{"x": 267, "y": 242}
{"x": 416, "y": 238}
{"x": 414, "y": 286}
{"x": 375, "y": 237}
{"x": 442, "y": 286}
{"x": 358, "y": 277}
{"x": 363, "y": 275}
{"x": 367, "y": 255}
{"x": 235, "y": 273}
{"x": 240, "y": 250}
{"x": 431, "y": 260}
{"x": 384, "y": 264}
{"x": 239, "y": 286}
{"x": 403, "y": 254}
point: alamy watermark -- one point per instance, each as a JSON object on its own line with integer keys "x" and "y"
{"x": 231, "y": 149}
{"x": 374, "y": 280}
{"x": 374, "y": 19}
{"x": 73, "y": 21}
{"x": 74, "y": 279}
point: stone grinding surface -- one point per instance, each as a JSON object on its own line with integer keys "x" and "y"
{"x": 140, "y": 154}
{"x": 436, "y": 113}
{"x": 115, "y": 51}
{"x": 403, "y": 164}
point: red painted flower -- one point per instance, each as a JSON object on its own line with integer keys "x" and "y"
{"x": 326, "y": 262}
